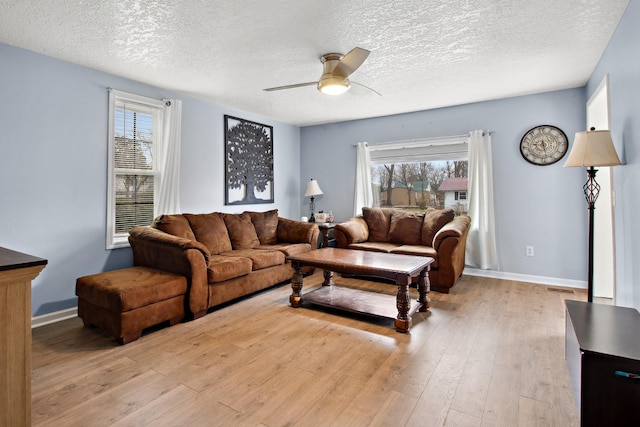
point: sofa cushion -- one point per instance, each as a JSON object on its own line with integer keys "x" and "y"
{"x": 260, "y": 258}
{"x": 406, "y": 227}
{"x": 418, "y": 250}
{"x": 211, "y": 231}
{"x": 266, "y": 225}
{"x": 223, "y": 268}
{"x": 434, "y": 220}
{"x": 378, "y": 220}
{"x": 288, "y": 249}
{"x": 241, "y": 231}
{"x": 176, "y": 225}
{"x": 130, "y": 288}
{"x": 374, "y": 246}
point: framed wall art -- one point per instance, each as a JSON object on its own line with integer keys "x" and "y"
{"x": 248, "y": 162}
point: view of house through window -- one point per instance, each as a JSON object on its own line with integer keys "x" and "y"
{"x": 418, "y": 185}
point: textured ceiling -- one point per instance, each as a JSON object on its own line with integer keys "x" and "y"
{"x": 424, "y": 53}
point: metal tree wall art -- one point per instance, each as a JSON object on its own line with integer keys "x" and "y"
{"x": 248, "y": 162}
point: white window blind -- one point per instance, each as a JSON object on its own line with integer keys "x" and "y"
{"x": 421, "y": 150}
{"x": 135, "y": 127}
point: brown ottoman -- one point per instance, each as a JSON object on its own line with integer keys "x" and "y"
{"x": 124, "y": 302}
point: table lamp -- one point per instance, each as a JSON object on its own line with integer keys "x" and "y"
{"x": 313, "y": 189}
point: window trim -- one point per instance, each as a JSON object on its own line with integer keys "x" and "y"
{"x": 120, "y": 240}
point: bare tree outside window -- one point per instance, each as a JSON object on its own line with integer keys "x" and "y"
{"x": 415, "y": 186}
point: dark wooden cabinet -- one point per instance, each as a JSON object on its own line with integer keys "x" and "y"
{"x": 602, "y": 345}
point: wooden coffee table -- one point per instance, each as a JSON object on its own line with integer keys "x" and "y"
{"x": 399, "y": 268}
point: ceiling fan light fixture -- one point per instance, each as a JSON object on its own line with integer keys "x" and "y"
{"x": 333, "y": 85}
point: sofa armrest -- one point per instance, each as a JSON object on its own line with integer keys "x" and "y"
{"x": 450, "y": 242}
{"x": 157, "y": 249}
{"x": 354, "y": 230}
{"x": 290, "y": 231}
{"x": 458, "y": 227}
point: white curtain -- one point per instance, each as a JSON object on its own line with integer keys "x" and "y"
{"x": 363, "y": 193}
{"x": 481, "y": 243}
{"x": 169, "y": 196}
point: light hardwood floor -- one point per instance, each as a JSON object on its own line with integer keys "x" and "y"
{"x": 490, "y": 353}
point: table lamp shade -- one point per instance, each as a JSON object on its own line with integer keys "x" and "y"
{"x": 313, "y": 189}
{"x": 593, "y": 148}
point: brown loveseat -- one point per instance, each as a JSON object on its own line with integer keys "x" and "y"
{"x": 224, "y": 256}
{"x": 434, "y": 233}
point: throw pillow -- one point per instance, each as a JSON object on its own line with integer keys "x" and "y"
{"x": 176, "y": 225}
{"x": 378, "y": 220}
{"x": 434, "y": 220}
{"x": 266, "y": 225}
{"x": 406, "y": 228}
{"x": 211, "y": 231}
{"x": 241, "y": 231}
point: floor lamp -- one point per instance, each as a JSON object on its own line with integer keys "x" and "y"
{"x": 590, "y": 149}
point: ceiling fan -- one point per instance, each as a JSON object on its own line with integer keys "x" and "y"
{"x": 336, "y": 69}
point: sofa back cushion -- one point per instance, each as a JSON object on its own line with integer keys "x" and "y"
{"x": 434, "y": 220}
{"x": 378, "y": 220}
{"x": 242, "y": 233}
{"x": 406, "y": 227}
{"x": 176, "y": 225}
{"x": 211, "y": 231}
{"x": 266, "y": 225}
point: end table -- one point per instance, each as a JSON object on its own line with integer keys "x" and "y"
{"x": 325, "y": 229}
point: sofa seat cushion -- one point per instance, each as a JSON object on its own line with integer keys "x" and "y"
{"x": 288, "y": 249}
{"x": 222, "y": 267}
{"x": 259, "y": 258}
{"x": 374, "y": 246}
{"x": 419, "y": 250}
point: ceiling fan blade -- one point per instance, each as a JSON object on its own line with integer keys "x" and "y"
{"x": 271, "y": 89}
{"x": 350, "y": 62}
{"x": 370, "y": 91}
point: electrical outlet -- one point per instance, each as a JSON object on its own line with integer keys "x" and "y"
{"x": 528, "y": 250}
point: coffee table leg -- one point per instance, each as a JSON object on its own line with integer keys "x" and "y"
{"x": 423, "y": 290}
{"x": 403, "y": 321}
{"x": 328, "y": 278}
{"x": 296, "y": 285}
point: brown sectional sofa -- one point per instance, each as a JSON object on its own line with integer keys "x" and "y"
{"x": 434, "y": 233}
{"x": 224, "y": 256}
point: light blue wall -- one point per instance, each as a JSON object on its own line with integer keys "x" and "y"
{"x": 622, "y": 62}
{"x": 53, "y": 167}
{"x": 541, "y": 206}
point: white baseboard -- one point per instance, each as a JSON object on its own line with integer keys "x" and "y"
{"x": 56, "y": 316}
{"x": 540, "y": 280}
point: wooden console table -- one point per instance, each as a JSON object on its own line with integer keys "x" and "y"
{"x": 603, "y": 356}
{"x": 17, "y": 270}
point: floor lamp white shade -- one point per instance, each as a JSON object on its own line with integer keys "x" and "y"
{"x": 593, "y": 148}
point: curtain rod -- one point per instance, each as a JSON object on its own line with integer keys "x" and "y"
{"x": 405, "y": 141}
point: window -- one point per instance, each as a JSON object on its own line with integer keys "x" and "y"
{"x": 135, "y": 126}
{"x": 415, "y": 175}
